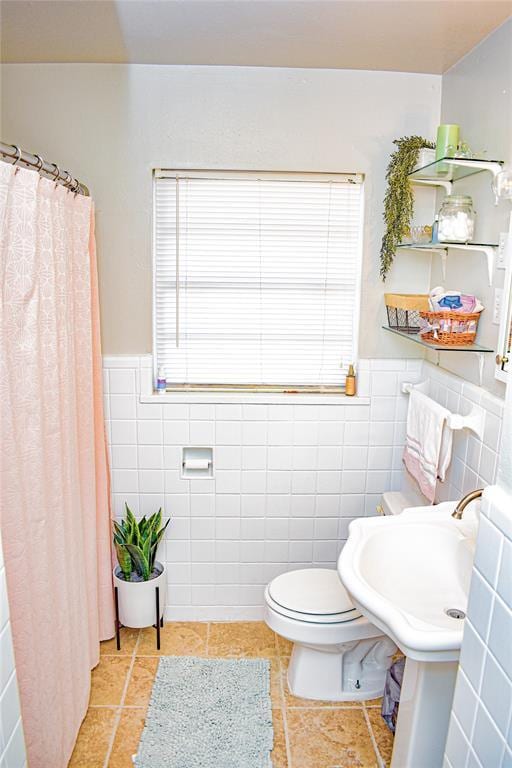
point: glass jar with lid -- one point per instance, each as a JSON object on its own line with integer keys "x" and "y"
{"x": 456, "y": 219}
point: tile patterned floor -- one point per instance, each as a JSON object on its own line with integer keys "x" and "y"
{"x": 307, "y": 734}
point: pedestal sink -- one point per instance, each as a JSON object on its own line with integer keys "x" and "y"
{"x": 410, "y": 576}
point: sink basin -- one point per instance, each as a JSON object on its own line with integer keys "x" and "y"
{"x": 407, "y": 573}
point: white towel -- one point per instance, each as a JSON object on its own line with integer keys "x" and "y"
{"x": 428, "y": 443}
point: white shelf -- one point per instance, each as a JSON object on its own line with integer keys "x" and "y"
{"x": 443, "y": 172}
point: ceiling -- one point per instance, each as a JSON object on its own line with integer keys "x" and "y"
{"x": 400, "y": 35}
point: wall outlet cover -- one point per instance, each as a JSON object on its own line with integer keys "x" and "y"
{"x": 496, "y": 305}
{"x": 501, "y": 261}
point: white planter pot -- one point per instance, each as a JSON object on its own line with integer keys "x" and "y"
{"x": 137, "y": 601}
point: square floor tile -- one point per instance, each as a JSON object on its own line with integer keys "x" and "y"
{"x": 278, "y": 755}
{"x": 186, "y": 638}
{"x": 324, "y": 738}
{"x": 129, "y": 638}
{"x": 241, "y": 639}
{"x": 93, "y": 739}
{"x": 108, "y": 680}
{"x": 127, "y": 738}
{"x": 381, "y": 734}
{"x": 141, "y": 681}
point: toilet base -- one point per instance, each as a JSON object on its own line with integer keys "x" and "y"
{"x": 351, "y": 671}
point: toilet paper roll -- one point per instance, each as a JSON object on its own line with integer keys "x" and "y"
{"x": 196, "y": 463}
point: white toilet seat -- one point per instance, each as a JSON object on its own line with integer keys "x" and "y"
{"x": 311, "y": 595}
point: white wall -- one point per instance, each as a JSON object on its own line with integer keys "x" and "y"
{"x": 477, "y": 94}
{"x": 110, "y": 124}
{"x": 12, "y": 744}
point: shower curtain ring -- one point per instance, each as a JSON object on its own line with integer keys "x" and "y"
{"x": 18, "y": 153}
{"x": 40, "y": 162}
{"x": 68, "y": 180}
{"x": 56, "y": 172}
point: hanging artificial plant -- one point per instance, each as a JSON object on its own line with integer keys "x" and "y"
{"x": 398, "y": 202}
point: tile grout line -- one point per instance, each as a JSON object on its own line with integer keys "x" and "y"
{"x": 327, "y": 708}
{"x": 117, "y": 706}
{"x": 380, "y": 761}
{"x": 119, "y": 713}
{"x": 117, "y": 720}
{"x": 284, "y": 713}
{"x": 207, "y": 649}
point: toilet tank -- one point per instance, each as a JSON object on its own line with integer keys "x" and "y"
{"x": 394, "y": 502}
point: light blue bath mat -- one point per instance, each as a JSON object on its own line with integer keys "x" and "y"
{"x": 208, "y": 713}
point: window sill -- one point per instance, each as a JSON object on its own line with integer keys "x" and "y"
{"x": 251, "y": 398}
{"x": 247, "y": 397}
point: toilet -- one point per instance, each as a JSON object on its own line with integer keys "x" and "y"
{"x": 338, "y": 654}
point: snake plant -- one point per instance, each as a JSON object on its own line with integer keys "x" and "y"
{"x": 136, "y": 544}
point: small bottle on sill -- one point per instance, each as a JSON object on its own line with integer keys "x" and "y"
{"x": 161, "y": 382}
{"x": 350, "y": 382}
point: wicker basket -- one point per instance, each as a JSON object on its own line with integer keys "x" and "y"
{"x": 404, "y": 310}
{"x": 449, "y": 329}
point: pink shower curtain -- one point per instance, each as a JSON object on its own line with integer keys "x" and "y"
{"x": 54, "y": 508}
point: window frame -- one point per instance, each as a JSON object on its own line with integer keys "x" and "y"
{"x": 237, "y": 390}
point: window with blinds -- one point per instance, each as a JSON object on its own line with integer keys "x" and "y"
{"x": 256, "y": 278}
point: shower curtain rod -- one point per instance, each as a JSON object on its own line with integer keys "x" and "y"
{"x": 52, "y": 170}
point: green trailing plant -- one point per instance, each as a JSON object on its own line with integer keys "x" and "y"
{"x": 399, "y": 201}
{"x": 136, "y": 544}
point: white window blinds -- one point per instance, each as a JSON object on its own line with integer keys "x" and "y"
{"x": 256, "y": 277}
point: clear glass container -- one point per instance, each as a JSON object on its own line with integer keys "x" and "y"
{"x": 502, "y": 186}
{"x": 456, "y": 219}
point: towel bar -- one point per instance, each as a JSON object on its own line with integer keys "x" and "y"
{"x": 474, "y": 420}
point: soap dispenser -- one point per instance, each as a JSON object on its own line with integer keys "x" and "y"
{"x": 350, "y": 382}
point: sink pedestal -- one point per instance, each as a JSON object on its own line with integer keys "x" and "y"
{"x": 424, "y": 713}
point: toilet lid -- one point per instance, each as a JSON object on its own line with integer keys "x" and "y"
{"x": 312, "y": 591}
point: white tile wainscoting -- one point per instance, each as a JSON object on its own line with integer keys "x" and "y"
{"x": 289, "y": 475}
{"x": 480, "y": 734}
{"x": 12, "y": 744}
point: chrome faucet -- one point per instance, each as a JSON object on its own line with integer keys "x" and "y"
{"x": 467, "y": 499}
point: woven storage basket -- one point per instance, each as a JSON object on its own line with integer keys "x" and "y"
{"x": 450, "y": 329}
{"x": 404, "y": 310}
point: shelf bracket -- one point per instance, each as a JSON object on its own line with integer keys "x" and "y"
{"x": 444, "y": 259}
{"x": 481, "y": 363}
{"x": 484, "y": 165}
{"x": 447, "y": 185}
{"x": 489, "y": 250}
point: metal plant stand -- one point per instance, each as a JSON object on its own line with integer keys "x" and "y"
{"x": 158, "y": 624}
